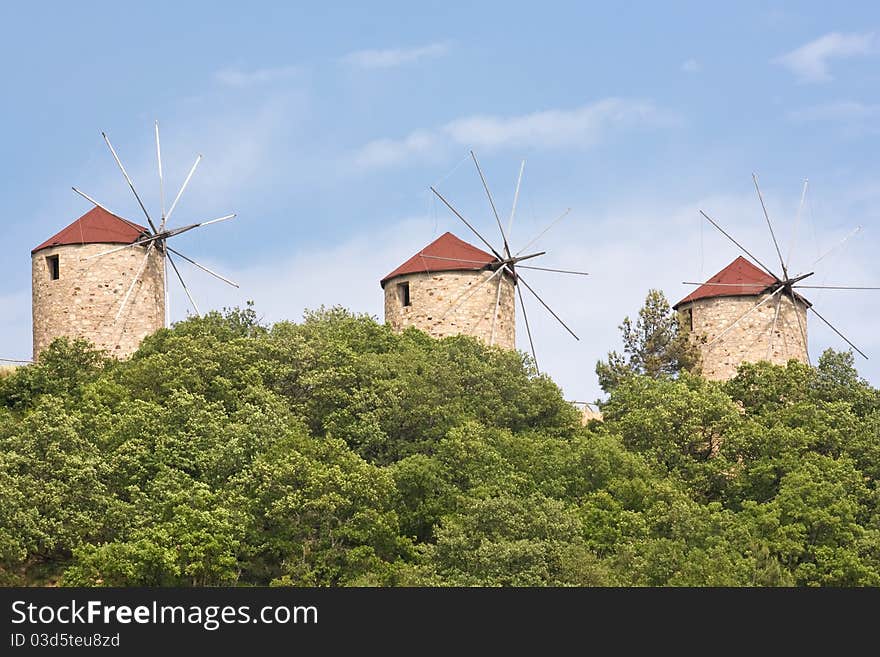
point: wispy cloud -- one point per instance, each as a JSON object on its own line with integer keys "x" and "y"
{"x": 236, "y": 77}
{"x": 843, "y": 110}
{"x": 388, "y": 152}
{"x": 691, "y": 66}
{"x": 580, "y": 127}
{"x": 810, "y": 62}
{"x": 392, "y": 57}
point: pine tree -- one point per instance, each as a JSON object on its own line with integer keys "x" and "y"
{"x": 658, "y": 345}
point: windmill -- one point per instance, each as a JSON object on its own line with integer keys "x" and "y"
{"x": 507, "y": 261}
{"x": 773, "y": 287}
{"x": 156, "y": 238}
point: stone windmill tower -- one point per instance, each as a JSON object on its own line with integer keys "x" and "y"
{"x": 77, "y": 296}
{"x": 772, "y": 332}
{"x": 430, "y": 292}
{"x": 451, "y": 287}
{"x": 747, "y": 312}
{"x": 116, "y": 296}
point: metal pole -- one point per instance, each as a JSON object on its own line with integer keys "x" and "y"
{"x": 130, "y": 183}
{"x": 183, "y": 187}
{"x": 161, "y": 180}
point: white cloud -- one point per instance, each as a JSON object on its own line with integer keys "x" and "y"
{"x": 579, "y": 127}
{"x": 236, "y": 77}
{"x": 691, "y": 66}
{"x": 393, "y": 57}
{"x": 346, "y": 273}
{"x": 388, "y": 152}
{"x": 844, "y": 110}
{"x": 810, "y": 62}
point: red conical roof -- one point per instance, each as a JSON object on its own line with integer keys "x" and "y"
{"x": 446, "y": 253}
{"x": 739, "y": 278}
{"x": 97, "y": 226}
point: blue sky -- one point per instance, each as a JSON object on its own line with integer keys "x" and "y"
{"x": 322, "y": 127}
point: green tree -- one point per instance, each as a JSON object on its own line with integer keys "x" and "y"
{"x": 658, "y": 345}
{"x": 334, "y": 452}
{"x": 62, "y": 369}
{"x": 682, "y": 425}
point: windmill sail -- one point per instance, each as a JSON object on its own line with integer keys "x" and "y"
{"x": 155, "y": 239}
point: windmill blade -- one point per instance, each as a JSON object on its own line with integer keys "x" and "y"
{"x": 518, "y": 259}
{"x": 135, "y": 281}
{"x": 467, "y": 223}
{"x": 742, "y": 317}
{"x": 835, "y": 287}
{"x": 183, "y": 187}
{"x": 515, "y": 198}
{"x": 162, "y": 236}
{"x": 495, "y": 314}
{"x": 541, "y": 234}
{"x": 161, "y": 180}
{"x": 770, "y": 226}
{"x": 773, "y": 326}
{"x": 185, "y": 288}
{"x": 141, "y": 242}
{"x": 492, "y": 203}
{"x": 520, "y": 279}
{"x": 742, "y": 248}
{"x": 558, "y": 271}
{"x": 469, "y": 293}
{"x": 184, "y": 229}
{"x": 831, "y": 326}
{"x": 522, "y": 304}
{"x": 803, "y": 332}
{"x": 203, "y": 268}
{"x": 852, "y": 233}
{"x": 167, "y": 295}
{"x": 130, "y": 183}
{"x": 104, "y": 208}
{"x": 797, "y": 221}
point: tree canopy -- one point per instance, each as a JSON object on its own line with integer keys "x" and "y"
{"x": 658, "y": 345}
{"x": 333, "y": 452}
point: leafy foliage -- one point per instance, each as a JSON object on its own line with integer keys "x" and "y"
{"x": 334, "y": 452}
{"x": 657, "y": 346}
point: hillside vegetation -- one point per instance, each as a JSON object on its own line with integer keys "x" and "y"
{"x": 334, "y": 452}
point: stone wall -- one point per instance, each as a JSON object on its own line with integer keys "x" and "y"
{"x": 590, "y": 412}
{"x": 433, "y": 295}
{"x": 83, "y": 302}
{"x": 751, "y": 340}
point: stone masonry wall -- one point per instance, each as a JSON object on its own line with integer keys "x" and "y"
{"x": 84, "y": 301}
{"x": 751, "y": 340}
{"x": 433, "y": 295}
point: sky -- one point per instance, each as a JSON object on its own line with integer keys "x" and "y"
{"x": 322, "y": 125}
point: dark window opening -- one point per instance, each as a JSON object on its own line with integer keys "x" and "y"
{"x": 54, "y": 267}
{"x": 690, "y": 319}
{"x": 403, "y": 294}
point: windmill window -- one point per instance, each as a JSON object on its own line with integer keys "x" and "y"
{"x": 54, "y": 267}
{"x": 403, "y": 294}
{"x": 690, "y": 318}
